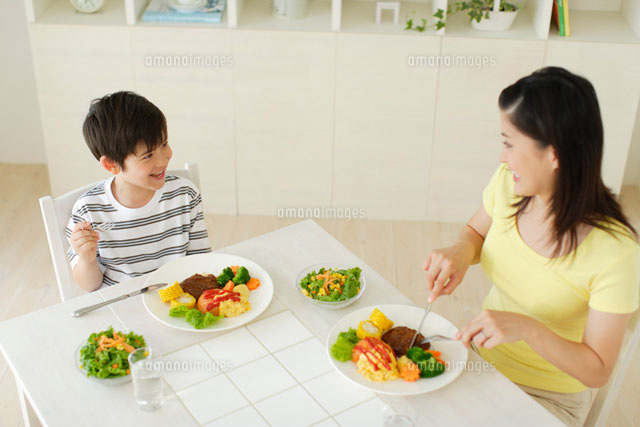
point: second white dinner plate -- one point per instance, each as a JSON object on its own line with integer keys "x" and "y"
{"x": 454, "y": 354}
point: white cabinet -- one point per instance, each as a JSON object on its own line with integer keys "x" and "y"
{"x": 187, "y": 74}
{"x": 306, "y": 117}
{"x": 467, "y": 137}
{"x": 283, "y": 103}
{"x": 614, "y": 71}
{"x": 74, "y": 65}
{"x": 384, "y": 120}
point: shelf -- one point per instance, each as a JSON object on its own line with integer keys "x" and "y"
{"x": 597, "y": 26}
{"x": 458, "y": 25}
{"x": 256, "y": 15}
{"x": 360, "y": 17}
{"x": 60, "y": 12}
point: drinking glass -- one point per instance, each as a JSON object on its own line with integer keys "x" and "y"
{"x": 404, "y": 416}
{"x": 145, "y": 364}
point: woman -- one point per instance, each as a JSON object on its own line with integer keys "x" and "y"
{"x": 551, "y": 237}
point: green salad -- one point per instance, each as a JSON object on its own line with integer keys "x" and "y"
{"x": 105, "y": 353}
{"x": 331, "y": 284}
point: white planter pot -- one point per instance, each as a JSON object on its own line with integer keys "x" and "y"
{"x": 289, "y": 9}
{"x": 498, "y": 21}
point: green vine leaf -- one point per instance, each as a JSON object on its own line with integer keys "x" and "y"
{"x": 409, "y": 25}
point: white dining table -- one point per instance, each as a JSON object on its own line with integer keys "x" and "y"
{"x": 281, "y": 373}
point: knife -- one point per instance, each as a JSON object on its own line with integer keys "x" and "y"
{"x": 426, "y": 313}
{"x": 82, "y": 311}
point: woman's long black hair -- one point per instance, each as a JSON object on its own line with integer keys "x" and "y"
{"x": 560, "y": 109}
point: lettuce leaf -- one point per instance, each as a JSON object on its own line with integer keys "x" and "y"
{"x": 343, "y": 347}
{"x": 199, "y": 320}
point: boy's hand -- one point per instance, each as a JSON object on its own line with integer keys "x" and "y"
{"x": 84, "y": 241}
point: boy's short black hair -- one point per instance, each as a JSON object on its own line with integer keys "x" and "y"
{"x": 117, "y": 123}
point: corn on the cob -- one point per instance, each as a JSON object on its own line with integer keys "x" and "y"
{"x": 170, "y": 292}
{"x": 366, "y": 328}
{"x": 185, "y": 299}
{"x": 380, "y": 320}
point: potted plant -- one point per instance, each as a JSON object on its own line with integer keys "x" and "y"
{"x": 488, "y": 15}
{"x": 484, "y": 15}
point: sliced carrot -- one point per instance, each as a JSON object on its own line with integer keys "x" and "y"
{"x": 235, "y": 268}
{"x": 409, "y": 372}
{"x": 229, "y": 286}
{"x": 253, "y": 283}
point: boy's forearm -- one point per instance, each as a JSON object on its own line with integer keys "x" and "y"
{"x": 471, "y": 241}
{"x": 88, "y": 275}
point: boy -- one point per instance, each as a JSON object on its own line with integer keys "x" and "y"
{"x": 156, "y": 218}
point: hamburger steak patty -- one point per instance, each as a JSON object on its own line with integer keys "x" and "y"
{"x": 399, "y": 339}
{"x": 198, "y": 283}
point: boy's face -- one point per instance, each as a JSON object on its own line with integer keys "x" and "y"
{"x": 147, "y": 169}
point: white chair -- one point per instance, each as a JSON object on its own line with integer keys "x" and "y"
{"x": 606, "y": 396}
{"x": 56, "y": 213}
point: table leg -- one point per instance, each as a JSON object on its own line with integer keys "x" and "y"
{"x": 23, "y": 402}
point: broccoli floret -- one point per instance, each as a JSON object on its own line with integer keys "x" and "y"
{"x": 225, "y": 276}
{"x": 242, "y": 276}
{"x": 429, "y": 366}
{"x": 417, "y": 354}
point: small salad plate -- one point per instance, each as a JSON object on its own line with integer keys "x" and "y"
{"x": 344, "y": 289}
{"x": 116, "y": 350}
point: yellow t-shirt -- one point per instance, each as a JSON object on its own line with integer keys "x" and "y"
{"x": 558, "y": 292}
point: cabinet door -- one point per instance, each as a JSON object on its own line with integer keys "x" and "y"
{"x": 467, "y": 137}
{"x": 73, "y": 65}
{"x": 613, "y": 69}
{"x": 188, "y": 75}
{"x": 383, "y": 124}
{"x": 283, "y": 100}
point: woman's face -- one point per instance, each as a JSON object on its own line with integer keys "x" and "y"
{"x": 533, "y": 168}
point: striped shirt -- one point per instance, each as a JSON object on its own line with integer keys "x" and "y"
{"x": 171, "y": 225}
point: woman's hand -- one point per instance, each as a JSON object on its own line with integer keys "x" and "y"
{"x": 446, "y": 268}
{"x": 494, "y": 327}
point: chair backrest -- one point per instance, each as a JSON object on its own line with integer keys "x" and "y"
{"x": 606, "y": 396}
{"x": 56, "y": 213}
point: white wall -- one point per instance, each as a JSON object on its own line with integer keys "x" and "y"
{"x": 21, "y": 140}
{"x": 632, "y": 171}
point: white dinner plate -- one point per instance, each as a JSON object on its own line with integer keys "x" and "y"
{"x": 212, "y": 263}
{"x": 454, "y": 354}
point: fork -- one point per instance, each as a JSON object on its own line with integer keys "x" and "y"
{"x": 105, "y": 226}
{"x": 436, "y": 337}
{"x": 443, "y": 338}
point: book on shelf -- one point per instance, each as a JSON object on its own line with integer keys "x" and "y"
{"x": 565, "y": 9}
{"x": 560, "y": 17}
{"x": 162, "y": 11}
